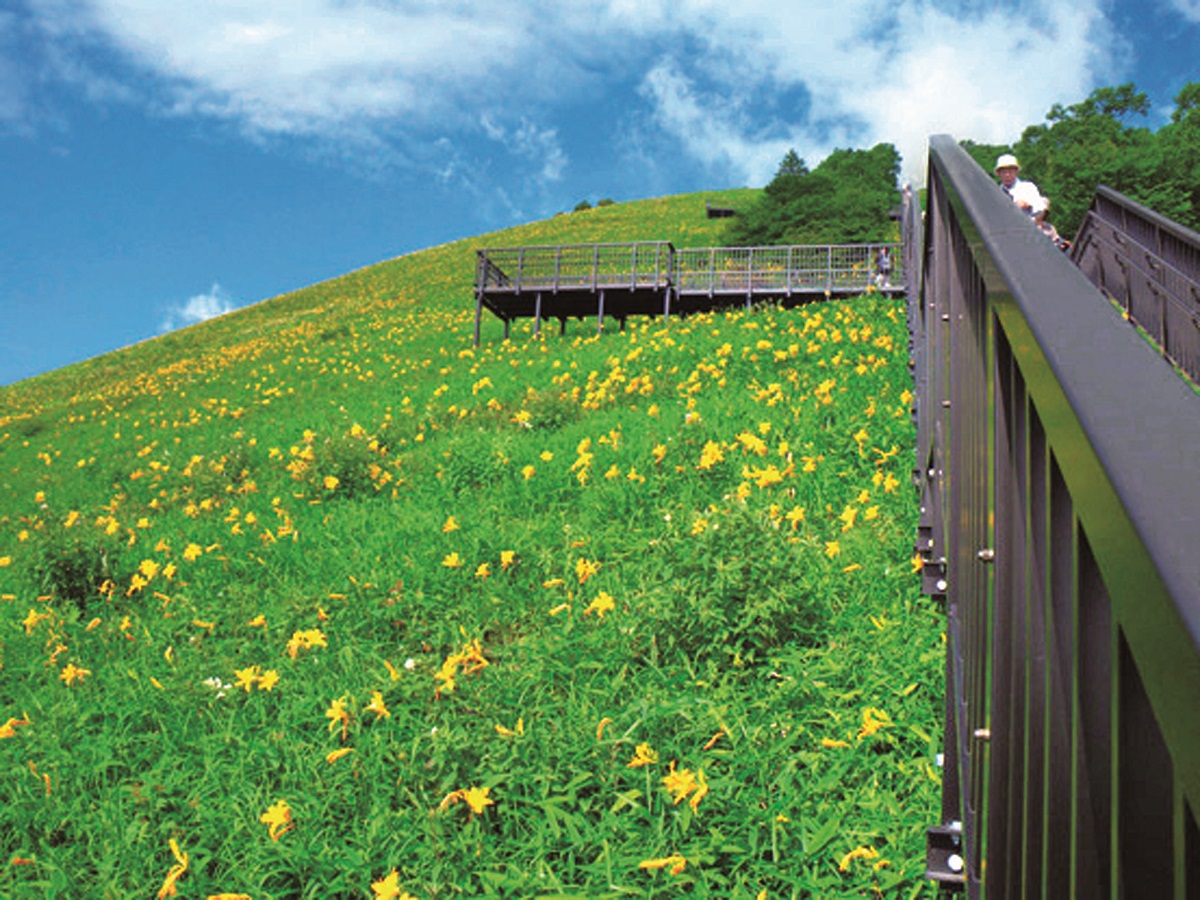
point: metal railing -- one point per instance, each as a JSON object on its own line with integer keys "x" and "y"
{"x": 591, "y": 266}
{"x": 712, "y": 270}
{"x": 1150, "y": 266}
{"x": 785, "y": 270}
{"x": 1059, "y": 474}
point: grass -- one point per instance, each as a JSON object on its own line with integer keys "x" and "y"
{"x": 316, "y": 600}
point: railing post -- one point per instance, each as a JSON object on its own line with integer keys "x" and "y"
{"x": 478, "y": 313}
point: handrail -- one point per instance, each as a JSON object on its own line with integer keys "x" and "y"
{"x": 709, "y": 270}
{"x": 1060, "y": 503}
{"x": 1149, "y": 265}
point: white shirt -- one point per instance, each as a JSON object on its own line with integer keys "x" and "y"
{"x": 1027, "y": 192}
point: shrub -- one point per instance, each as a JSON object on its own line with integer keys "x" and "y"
{"x": 73, "y": 564}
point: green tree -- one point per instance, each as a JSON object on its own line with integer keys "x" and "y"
{"x": 984, "y": 154}
{"x": 791, "y": 165}
{"x": 845, "y": 199}
{"x": 1088, "y": 144}
{"x": 1179, "y": 142}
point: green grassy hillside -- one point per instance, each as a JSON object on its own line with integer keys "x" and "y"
{"x": 317, "y": 600}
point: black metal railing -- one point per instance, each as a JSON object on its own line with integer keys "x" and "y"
{"x": 1150, "y": 266}
{"x": 1059, "y": 474}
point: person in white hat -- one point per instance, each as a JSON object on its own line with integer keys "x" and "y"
{"x": 1023, "y": 193}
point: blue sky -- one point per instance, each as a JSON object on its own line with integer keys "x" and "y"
{"x": 162, "y": 162}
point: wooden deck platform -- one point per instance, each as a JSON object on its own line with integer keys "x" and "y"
{"x": 653, "y": 278}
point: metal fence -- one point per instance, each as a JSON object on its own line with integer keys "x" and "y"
{"x": 1150, "y": 266}
{"x": 1059, "y": 474}
{"x": 786, "y": 270}
{"x": 591, "y": 266}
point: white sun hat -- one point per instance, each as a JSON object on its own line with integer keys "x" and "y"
{"x": 1006, "y": 161}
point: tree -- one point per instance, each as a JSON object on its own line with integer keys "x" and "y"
{"x": 1088, "y": 144}
{"x": 1179, "y": 142}
{"x": 845, "y": 199}
{"x": 791, "y": 165}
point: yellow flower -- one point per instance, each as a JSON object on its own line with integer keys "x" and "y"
{"x": 796, "y": 516}
{"x": 73, "y": 674}
{"x": 483, "y": 571}
{"x": 546, "y": 456}
{"x": 680, "y": 783}
{"x": 602, "y": 604}
{"x": 5, "y": 561}
{"x": 388, "y": 888}
{"x": 246, "y": 677}
{"x": 857, "y": 853}
{"x": 258, "y": 621}
{"x": 847, "y": 518}
{"x": 701, "y": 791}
{"x": 643, "y": 755}
{"x": 527, "y": 472}
{"x": 507, "y": 559}
{"x": 268, "y": 680}
{"x": 511, "y": 732}
{"x": 475, "y": 797}
{"x": 710, "y": 455}
{"x": 831, "y": 744}
{"x": 377, "y": 706}
{"x": 278, "y": 819}
{"x": 9, "y": 728}
{"x": 305, "y": 640}
{"x": 337, "y": 714}
{"x": 832, "y": 549}
{"x": 585, "y": 569}
{"x": 175, "y": 872}
{"x": 192, "y": 552}
{"x": 331, "y": 482}
{"x": 659, "y": 451}
{"x": 918, "y": 562}
{"x": 675, "y": 862}
{"x": 148, "y": 568}
{"x": 452, "y": 561}
{"x": 872, "y": 720}
{"x": 450, "y": 525}
{"x": 753, "y": 443}
{"x": 334, "y": 755}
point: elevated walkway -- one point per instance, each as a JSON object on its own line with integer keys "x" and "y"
{"x": 654, "y": 278}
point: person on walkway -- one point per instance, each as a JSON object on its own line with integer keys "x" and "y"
{"x": 883, "y": 268}
{"x": 1023, "y": 193}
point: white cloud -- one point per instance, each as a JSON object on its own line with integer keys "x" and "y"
{"x": 893, "y": 72}
{"x": 537, "y": 147}
{"x": 394, "y": 78}
{"x": 197, "y": 309}
{"x": 1189, "y": 9}
{"x": 716, "y": 132}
